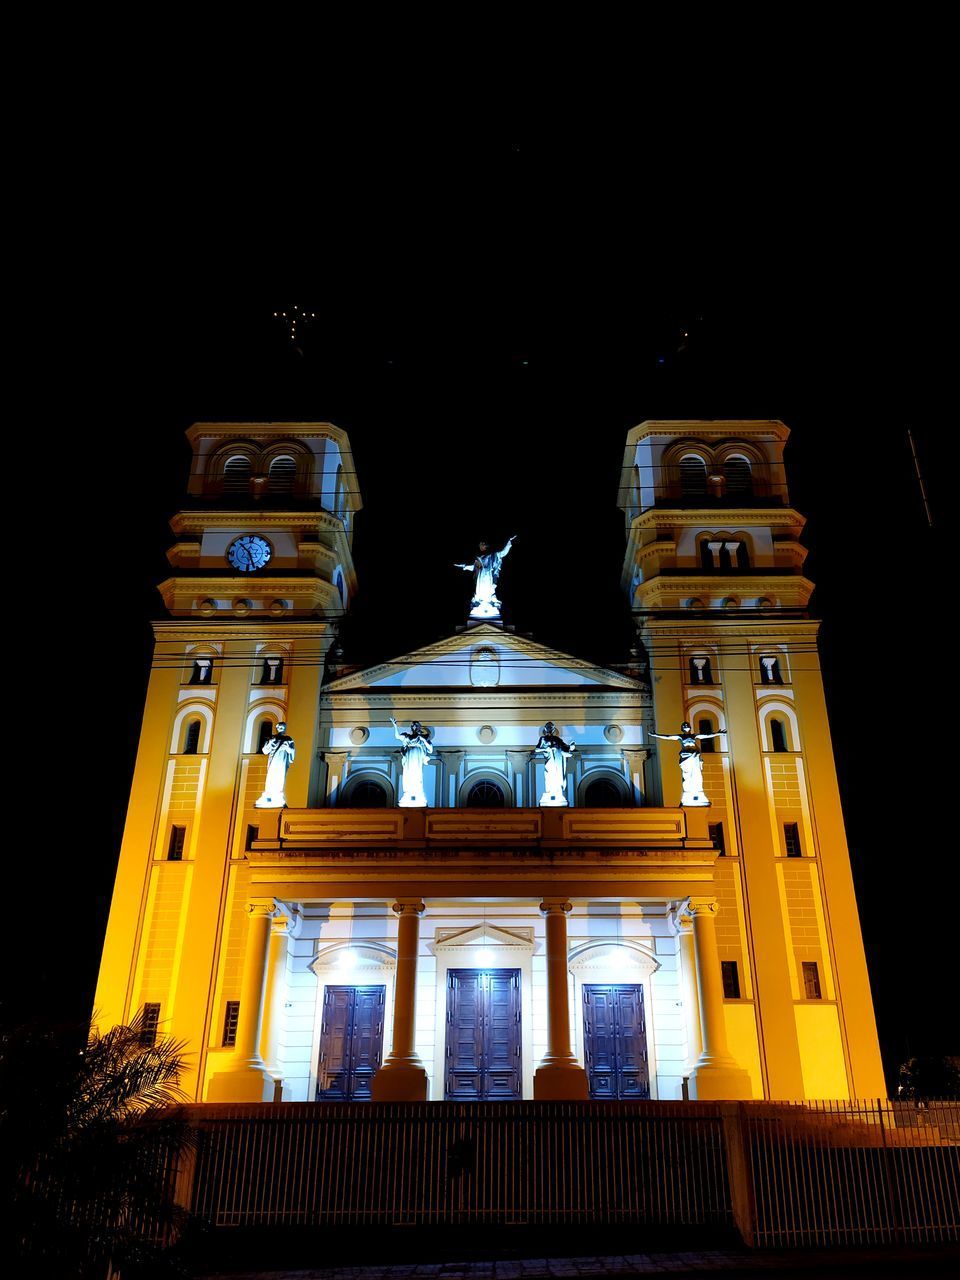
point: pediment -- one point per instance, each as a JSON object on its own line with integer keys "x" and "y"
{"x": 485, "y": 657}
{"x": 484, "y": 935}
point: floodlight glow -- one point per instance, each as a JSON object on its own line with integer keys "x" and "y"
{"x": 485, "y": 956}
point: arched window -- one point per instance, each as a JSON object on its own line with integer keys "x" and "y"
{"x": 485, "y": 795}
{"x": 191, "y": 739}
{"x": 778, "y": 735}
{"x": 706, "y": 725}
{"x": 236, "y": 474}
{"x": 693, "y": 476}
{"x": 264, "y": 734}
{"x": 603, "y": 793}
{"x": 738, "y": 475}
{"x": 283, "y": 472}
{"x": 700, "y": 672}
{"x": 366, "y": 795}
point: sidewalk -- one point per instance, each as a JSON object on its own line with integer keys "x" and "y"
{"x": 827, "y": 1264}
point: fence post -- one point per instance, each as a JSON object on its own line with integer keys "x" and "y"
{"x": 739, "y": 1169}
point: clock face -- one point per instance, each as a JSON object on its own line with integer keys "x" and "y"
{"x": 249, "y": 553}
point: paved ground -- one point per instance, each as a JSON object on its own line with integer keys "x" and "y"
{"x": 825, "y": 1264}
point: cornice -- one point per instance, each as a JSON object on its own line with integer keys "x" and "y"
{"x": 792, "y": 586}
{"x": 483, "y": 699}
{"x": 709, "y": 428}
{"x": 722, "y": 517}
{"x": 303, "y": 430}
{"x": 236, "y": 629}
{"x": 197, "y": 521}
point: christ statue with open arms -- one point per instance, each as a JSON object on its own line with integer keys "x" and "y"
{"x": 487, "y": 568}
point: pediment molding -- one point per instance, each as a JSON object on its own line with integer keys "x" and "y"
{"x": 472, "y": 638}
{"x": 484, "y": 935}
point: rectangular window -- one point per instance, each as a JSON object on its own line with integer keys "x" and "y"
{"x": 715, "y": 832}
{"x": 731, "y": 979}
{"x": 178, "y": 836}
{"x": 149, "y": 1022}
{"x": 811, "y": 980}
{"x": 791, "y": 840}
{"x": 230, "y": 1017}
{"x": 253, "y": 833}
{"x": 272, "y": 671}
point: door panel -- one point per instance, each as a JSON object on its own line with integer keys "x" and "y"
{"x": 351, "y": 1042}
{"x": 483, "y": 1034}
{"x": 615, "y": 1040}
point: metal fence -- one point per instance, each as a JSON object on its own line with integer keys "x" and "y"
{"x": 830, "y": 1173}
{"x": 505, "y": 1163}
{"x": 853, "y": 1173}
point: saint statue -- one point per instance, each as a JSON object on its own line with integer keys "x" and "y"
{"x": 416, "y": 750}
{"x": 691, "y": 764}
{"x": 487, "y": 568}
{"x": 280, "y": 752}
{"x": 556, "y": 753}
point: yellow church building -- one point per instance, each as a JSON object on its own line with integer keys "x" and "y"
{"x": 454, "y": 907}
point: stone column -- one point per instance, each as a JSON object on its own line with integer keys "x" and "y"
{"x": 246, "y": 1079}
{"x": 519, "y": 763}
{"x": 716, "y": 1074}
{"x": 636, "y": 760}
{"x": 402, "y": 1077}
{"x": 282, "y": 930}
{"x": 559, "y": 1075}
{"x": 336, "y": 762}
{"x": 449, "y": 768}
{"x": 688, "y": 976}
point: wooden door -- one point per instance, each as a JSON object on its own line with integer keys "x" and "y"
{"x": 615, "y": 1040}
{"x": 351, "y": 1042}
{"x": 483, "y": 1034}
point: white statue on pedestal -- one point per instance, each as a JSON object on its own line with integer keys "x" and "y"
{"x": 487, "y": 568}
{"x": 556, "y": 753}
{"x": 417, "y": 749}
{"x": 280, "y": 752}
{"x": 691, "y": 764}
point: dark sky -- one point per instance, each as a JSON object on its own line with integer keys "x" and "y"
{"x": 490, "y": 324}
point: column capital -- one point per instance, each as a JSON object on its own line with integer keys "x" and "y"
{"x": 682, "y": 918}
{"x": 550, "y": 906}
{"x": 699, "y": 907}
{"x": 409, "y": 906}
{"x": 261, "y": 907}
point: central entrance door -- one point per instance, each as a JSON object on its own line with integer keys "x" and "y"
{"x": 615, "y": 1040}
{"x": 351, "y": 1042}
{"x": 483, "y": 1034}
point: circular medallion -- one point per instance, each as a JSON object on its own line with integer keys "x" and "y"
{"x": 249, "y": 553}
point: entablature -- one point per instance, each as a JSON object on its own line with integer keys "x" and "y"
{"x": 655, "y": 853}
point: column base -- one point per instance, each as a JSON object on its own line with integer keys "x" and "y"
{"x": 720, "y": 1082}
{"x": 403, "y": 1082}
{"x": 561, "y": 1082}
{"x": 242, "y": 1084}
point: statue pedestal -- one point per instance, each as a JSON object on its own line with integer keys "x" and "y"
{"x": 412, "y": 802}
{"x": 550, "y": 800}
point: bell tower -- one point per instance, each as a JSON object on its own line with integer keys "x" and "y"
{"x": 714, "y": 575}
{"x": 262, "y": 570}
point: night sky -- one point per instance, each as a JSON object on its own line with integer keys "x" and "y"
{"x": 487, "y": 352}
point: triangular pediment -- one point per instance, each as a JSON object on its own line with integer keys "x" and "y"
{"x": 484, "y": 935}
{"x": 485, "y": 657}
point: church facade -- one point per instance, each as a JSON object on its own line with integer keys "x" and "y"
{"x": 475, "y": 871}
